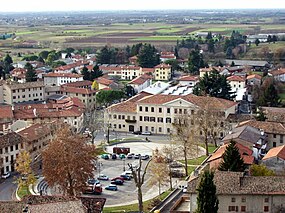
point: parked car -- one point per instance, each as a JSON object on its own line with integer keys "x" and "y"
{"x": 146, "y": 133}
{"x": 105, "y": 156}
{"x": 114, "y": 156}
{"x": 130, "y": 156}
{"x": 118, "y": 178}
{"x": 137, "y": 132}
{"x": 122, "y": 156}
{"x": 6, "y": 175}
{"x": 137, "y": 156}
{"x": 129, "y": 173}
{"x": 92, "y": 181}
{"x": 125, "y": 177}
{"x": 103, "y": 177}
{"x": 145, "y": 157}
{"x": 117, "y": 182}
{"x": 112, "y": 187}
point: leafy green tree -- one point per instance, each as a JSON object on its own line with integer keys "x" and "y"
{"x": 105, "y": 97}
{"x": 260, "y": 116}
{"x": 57, "y": 64}
{"x": 85, "y": 73}
{"x": 173, "y": 63}
{"x": 44, "y": 54}
{"x": 271, "y": 96}
{"x": 195, "y": 62}
{"x": 74, "y": 71}
{"x": 232, "y": 160}
{"x": 40, "y": 59}
{"x": 31, "y": 75}
{"x": 215, "y": 85}
{"x": 207, "y": 201}
{"x": 30, "y": 58}
{"x": 95, "y": 73}
{"x": 209, "y": 36}
{"x": 148, "y": 56}
{"x": 260, "y": 170}
{"x": 8, "y": 59}
{"x": 104, "y": 56}
{"x": 211, "y": 45}
{"x": 51, "y": 58}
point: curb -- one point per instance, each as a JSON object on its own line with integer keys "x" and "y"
{"x": 16, "y": 194}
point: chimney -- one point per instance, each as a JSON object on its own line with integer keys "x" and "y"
{"x": 35, "y": 112}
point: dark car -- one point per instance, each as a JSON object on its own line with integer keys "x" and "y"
{"x": 114, "y": 156}
{"x": 145, "y": 157}
{"x": 137, "y": 132}
{"x": 130, "y": 156}
{"x": 103, "y": 177}
{"x": 92, "y": 181}
{"x": 117, "y": 182}
{"x": 112, "y": 187}
{"x": 137, "y": 156}
{"x": 126, "y": 177}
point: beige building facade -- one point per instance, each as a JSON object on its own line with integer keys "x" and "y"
{"x": 162, "y": 72}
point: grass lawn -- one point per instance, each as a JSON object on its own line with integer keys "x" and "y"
{"x": 133, "y": 207}
{"x": 23, "y": 191}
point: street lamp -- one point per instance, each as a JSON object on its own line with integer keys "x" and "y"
{"x": 108, "y": 132}
{"x": 124, "y": 168}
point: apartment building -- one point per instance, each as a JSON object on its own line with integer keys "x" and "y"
{"x": 162, "y": 72}
{"x": 236, "y": 82}
{"x": 157, "y": 113}
{"x": 58, "y": 79}
{"x": 6, "y": 118}
{"x": 16, "y": 92}
{"x": 130, "y": 72}
{"x": 239, "y": 193}
{"x": 11, "y": 145}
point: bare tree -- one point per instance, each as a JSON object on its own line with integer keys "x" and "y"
{"x": 68, "y": 161}
{"x": 159, "y": 170}
{"x": 139, "y": 179}
{"x": 184, "y": 135}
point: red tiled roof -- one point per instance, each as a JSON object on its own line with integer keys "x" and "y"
{"x": 6, "y": 112}
{"x": 104, "y": 81}
{"x": 163, "y": 66}
{"x": 77, "y": 90}
{"x": 35, "y": 132}
{"x": 188, "y": 78}
{"x": 168, "y": 56}
{"x": 68, "y": 75}
{"x": 254, "y": 76}
{"x": 268, "y": 127}
{"x": 275, "y": 152}
{"x": 245, "y": 153}
{"x": 147, "y": 70}
{"x": 235, "y": 78}
{"x": 84, "y": 83}
{"x": 127, "y": 67}
{"x": 74, "y": 65}
{"x": 166, "y": 53}
{"x": 140, "y": 79}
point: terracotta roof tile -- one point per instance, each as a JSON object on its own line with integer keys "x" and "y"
{"x": 275, "y": 152}
{"x": 77, "y": 90}
{"x": 235, "y": 78}
{"x": 140, "y": 79}
{"x": 10, "y": 139}
{"x": 268, "y": 127}
{"x": 57, "y": 74}
{"x": 83, "y": 83}
{"x": 188, "y": 78}
{"x": 254, "y": 76}
{"x": 163, "y": 65}
{"x": 104, "y": 81}
{"x": 278, "y": 72}
{"x": 6, "y": 112}
{"x": 36, "y": 131}
{"x": 26, "y": 85}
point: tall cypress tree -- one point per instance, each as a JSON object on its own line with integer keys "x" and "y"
{"x": 85, "y": 73}
{"x": 232, "y": 160}
{"x": 207, "y": 201}
{"x": 31, "y": 75}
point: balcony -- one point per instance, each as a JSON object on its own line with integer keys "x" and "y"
{"x": 130, "y": 121}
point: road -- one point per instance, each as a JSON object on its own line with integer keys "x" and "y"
{"x": 7, "y": 189}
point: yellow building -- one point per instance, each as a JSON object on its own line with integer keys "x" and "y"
{"x": 162, "y": 72}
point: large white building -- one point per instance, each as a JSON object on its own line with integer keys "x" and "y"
{"x": 58, "y": 79}
{"x": 156, "y": 113}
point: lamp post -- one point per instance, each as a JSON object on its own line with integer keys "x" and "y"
{"x": 124, "y": 168}
{"x": 108, "y": 132}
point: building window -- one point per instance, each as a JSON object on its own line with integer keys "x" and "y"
{"x": 140, "y": 118}
{"x": 274, "y": 136}
{"x": 242, "y": 208}
{"x": 180, "y": 111}
{"x": 175, "y": 111}
{"x": 146, "y": 118}
{"x": 124, "y": 125}
{"x": 168, "y": 130}
{"x": 7, "y": 159}
{"x": 115, "y": 116}
{"x": 160, "y": 110}
{"x": 266, "y": 209}
{"x": 146, "y": 128}
{"x": 192, "y": 112}
{"x": 152, "y": 119}
{"x": 243, "y": 199}
{"x": 140, "y": 108}
{"x": 146, "y": 109}
{"x": 6, "y": 149}
{"x": 266, "y": 200}
{"x": 134, "y": 117}
{"x": 115, "y": 126}
{"x": 120, "y": 126}
{"x": 152, "y": 109}
{"x": 152, "y": 129}
{"x": 160, "y": 120}
{"x": 159, "y": 129}
{"x": 123, "y": 117}
{"x": 274, "y": 144}
{"x": 233, "y": 199}
{"x": 233, "y": 208}
{"x": 11, "y": 148}
{"x": 168, "y": 120}
{"x": 168, "y": 110}
{"x": 185, "y": 111}
{"x": 119, "y": 116}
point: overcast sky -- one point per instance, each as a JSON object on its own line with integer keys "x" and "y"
{"x": 66, "y": 5}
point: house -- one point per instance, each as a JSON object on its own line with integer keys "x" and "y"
{"x": 156, "y": 113}
{"x": 6, "y": 118}
{"x": 133, "y": 60}
{"x": 236, "y": 82}
{"x": 188, "y": 80}
{"x": 279, "y": 75}
{"x": 17, "y": 93}
{"x": 275, "y": 114}
{"x": 216, "y": 158}
{"x": 37, "y": 136}
{"x": 58, "y": 79}
{"x": 254, "y": 80}
{"x": 54, "y": 204}
{"x": 275, "y": 159}
{"x": 19, "y": 75}
{"x": 140, "y": 83}
{"x": 203, "y": 71}
{"x": 105, "y": 83}
{"x": 11, "y": 145}
{"x": 239, "y": 193}
{"x": 164, "y": 56}
{"x": 250, "y": 137}
{"x": 162, "y": 72}
{"x": 275, "y": 132}
{"x": 130, "y": 72}
{"x": 248, "y": 63}
{"x": 77, "y": 66}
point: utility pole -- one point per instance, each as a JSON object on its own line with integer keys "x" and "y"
{"x": 108, "y": 133}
